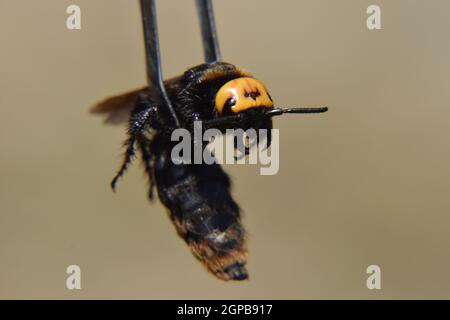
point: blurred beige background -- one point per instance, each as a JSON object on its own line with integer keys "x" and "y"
{"x": 366, "y": 183}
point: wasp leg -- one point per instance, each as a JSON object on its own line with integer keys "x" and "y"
{"x": 128, "y": 158}
{"x": 242, "y": 149}
{"x": 148, "y": 160}
{"x": 138, "y": 123}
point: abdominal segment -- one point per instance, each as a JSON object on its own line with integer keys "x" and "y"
{"x": 200, "y": 205}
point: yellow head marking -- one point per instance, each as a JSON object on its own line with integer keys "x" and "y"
{"x": 241, "y": 94}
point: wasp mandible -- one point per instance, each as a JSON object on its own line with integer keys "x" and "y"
{"x": 197, "y": 196}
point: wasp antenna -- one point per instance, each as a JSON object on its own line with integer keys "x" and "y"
{"x": 280, "y": 111}
{"x": 221, "y": 121}
{"x": 306, "y": 110}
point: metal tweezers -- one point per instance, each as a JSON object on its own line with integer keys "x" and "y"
{"x": 152, "y": 53}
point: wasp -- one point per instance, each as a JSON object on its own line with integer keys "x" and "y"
{"x": 197, "y": 196}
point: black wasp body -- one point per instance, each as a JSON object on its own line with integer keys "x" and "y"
{"x": 197, "y": 196}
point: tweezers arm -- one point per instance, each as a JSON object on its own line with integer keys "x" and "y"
{"x": 153, "y": 59}
{"x": 208, "y": 29}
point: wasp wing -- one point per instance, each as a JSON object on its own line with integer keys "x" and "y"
{"x": 118, "y": 108}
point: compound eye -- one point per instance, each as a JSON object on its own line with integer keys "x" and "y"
{"x": 226, "y": 98}
{"x": 231, "y": 101}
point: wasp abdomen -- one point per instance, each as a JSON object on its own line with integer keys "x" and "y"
{"x": 205, "y": 215}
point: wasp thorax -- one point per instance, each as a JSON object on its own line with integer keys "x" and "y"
{"x": 241, "y": 94}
